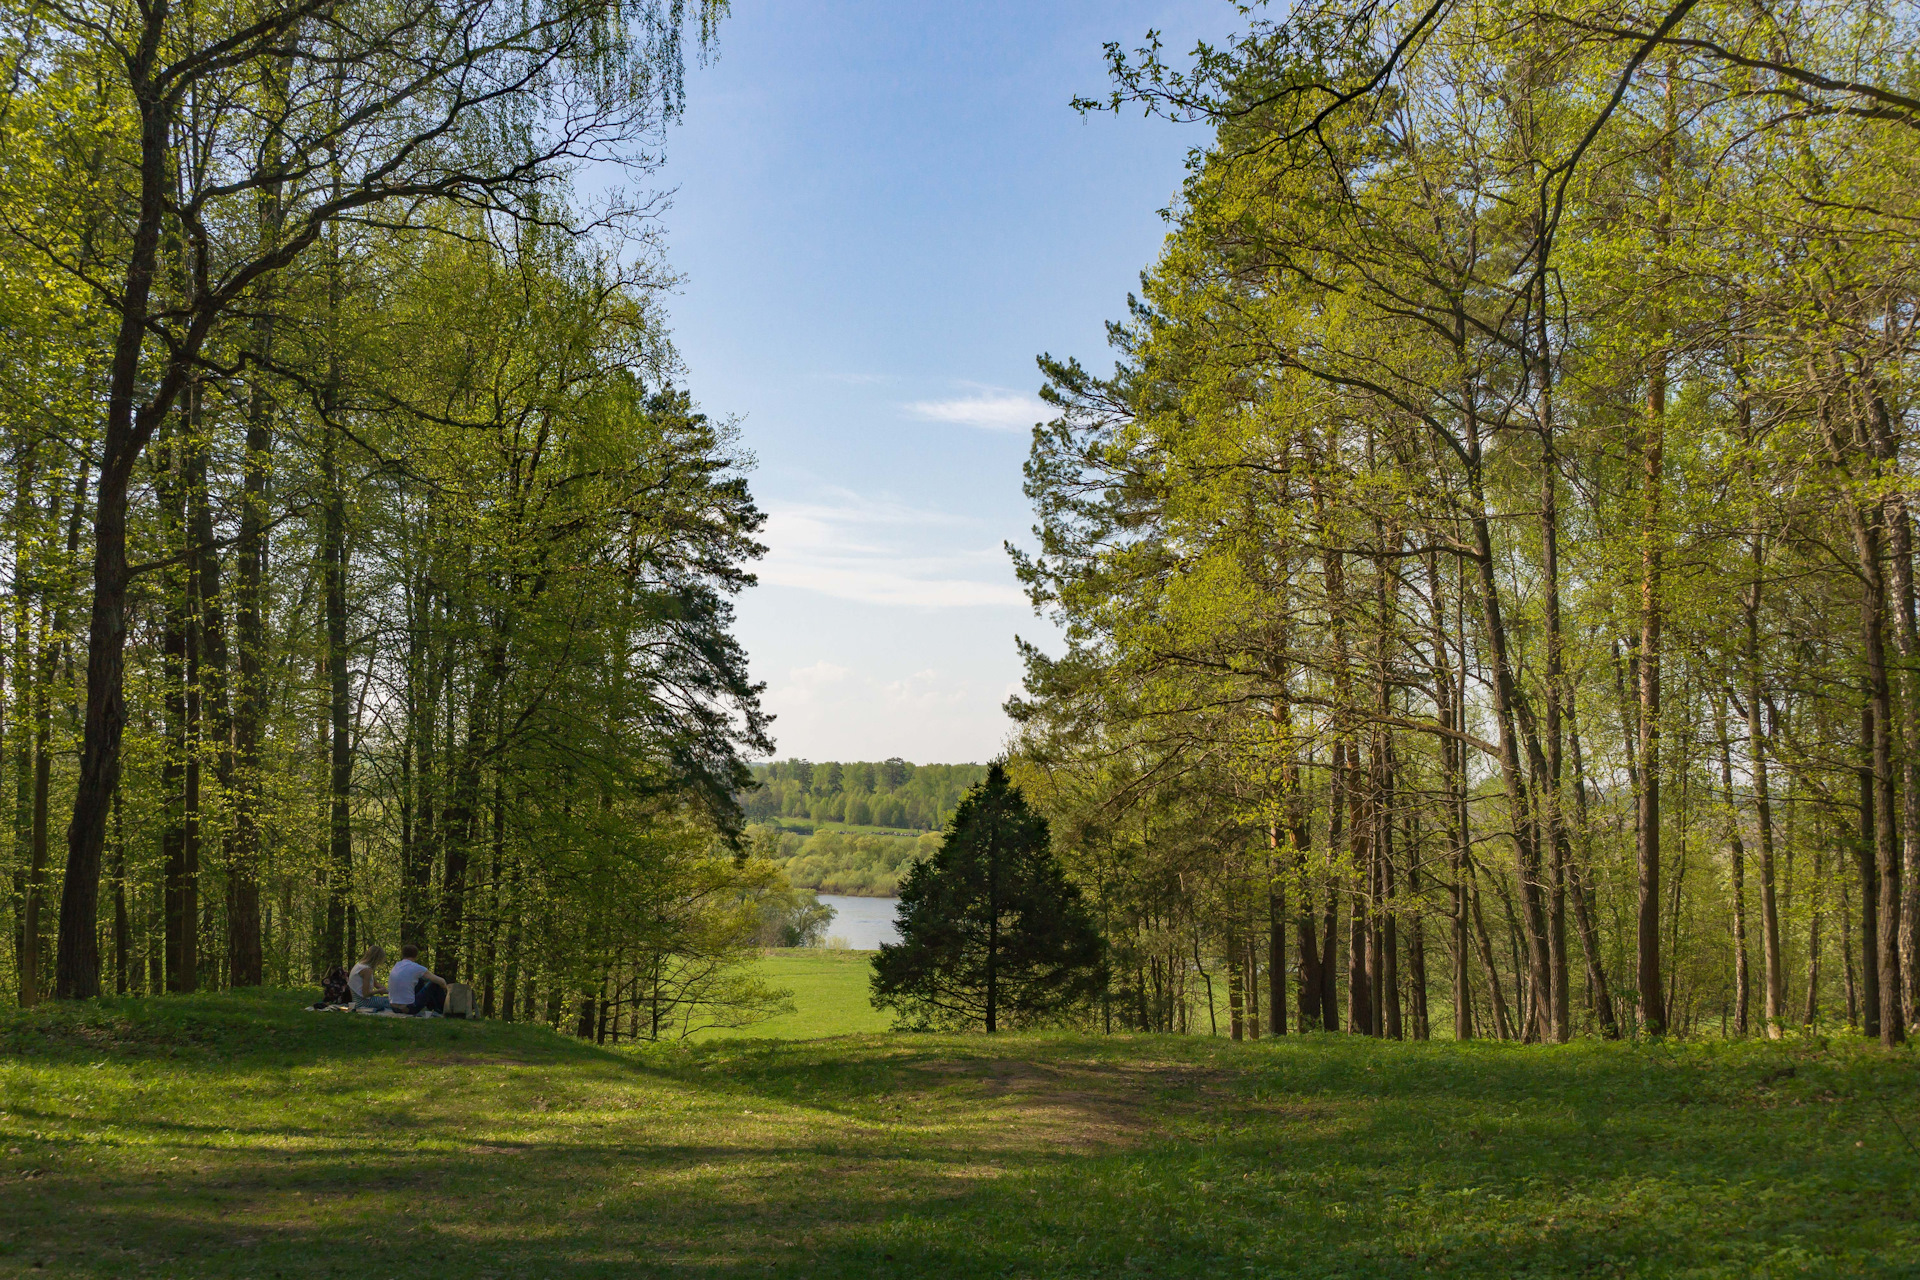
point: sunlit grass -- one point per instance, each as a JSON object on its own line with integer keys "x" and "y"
{"x": 829, "y": 995}
{"x": 236, "y": 1136}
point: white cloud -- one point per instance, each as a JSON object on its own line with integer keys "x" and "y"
{"x": 857, "y": 549}
{"x": 989, "y": 408}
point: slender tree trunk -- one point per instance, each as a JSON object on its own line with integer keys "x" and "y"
{"x": 1900, "y": 534}
{"x": 1309, "y": 962}
{"x": 1416, "y": 941}
{"x": 333, "y": 557}
{"x": 125, "y": 435}
{"x": 20, "y": 687}
{"x": 1900, "y": 867}
{"x": 180, "y": 871}
{"x": 1583, "y": 911}
{"x": 1388, "y": 987}
{"x": 511, "y": 981}
{"x": 1846, "y": 956}
{"x": 1448, "y": 705}
{"x": 244, "y": 943}
{"x": 1737, "y": 872}
{"x": 42, "y": 787}
{"x": 1235, "y": 968}
{"x": 1653, "y": 1012}
{"x": 1550, "y": 789}
{"x": 122, "y": 926}
{"x": 1774, "y": 994}
{"x": 1359, "y": 994}
{"x": 1815, "y": 911}
{"x": 1502, "y": 1023}
{"x": 1509, "y": 707}
{"x": 209, "y": 711}
{"x": 1869, "y": 879}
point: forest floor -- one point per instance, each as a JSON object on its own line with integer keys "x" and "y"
{"x": 239, "y": 1136}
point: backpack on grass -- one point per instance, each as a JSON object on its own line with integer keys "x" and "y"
{"x": 459, "y": 1000}
{"x": 333, "y": 988}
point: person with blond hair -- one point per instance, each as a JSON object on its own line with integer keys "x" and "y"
{"x": 367, "y": 992}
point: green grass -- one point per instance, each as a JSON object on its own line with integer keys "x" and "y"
{"x": 829, "y": 996}
{"x": 236, "y": 1136}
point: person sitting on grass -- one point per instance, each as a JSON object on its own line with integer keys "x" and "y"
{"x": 411, "y": 986}
{"x": 367, "y": 992}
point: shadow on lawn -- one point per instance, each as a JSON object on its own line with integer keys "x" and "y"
{"x": 951, "y": 1156}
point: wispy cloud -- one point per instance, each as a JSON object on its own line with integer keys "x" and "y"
{"x": 858, "y": 549}
{"x": 988, "y": 408}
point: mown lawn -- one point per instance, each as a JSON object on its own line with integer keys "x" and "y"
{"x": 238, "y": 1136}
{"x": 829, "y": 996}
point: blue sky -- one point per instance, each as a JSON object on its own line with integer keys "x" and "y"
{"x": 882, "y": 213}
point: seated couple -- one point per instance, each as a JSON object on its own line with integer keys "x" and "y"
{"x": 410, "y": 987}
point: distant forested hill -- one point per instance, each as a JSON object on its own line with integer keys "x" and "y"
{"x": 885, "y": 793}
{"x": 865, "y": 863}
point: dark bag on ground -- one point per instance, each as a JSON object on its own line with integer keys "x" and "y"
{"x": 333, "y": 988}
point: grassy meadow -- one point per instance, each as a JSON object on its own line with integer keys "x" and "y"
{"x": 829, "y": 996}
{"x": 239, "y": 1136}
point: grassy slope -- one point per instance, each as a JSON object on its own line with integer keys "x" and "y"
{"x": 238, "y": 1136}
{"x": 829, "y": 996}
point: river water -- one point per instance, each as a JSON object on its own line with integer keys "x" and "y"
{"x": 864, "y": 922}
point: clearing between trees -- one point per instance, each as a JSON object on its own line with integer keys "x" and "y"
{"x": 238, "y": 1135}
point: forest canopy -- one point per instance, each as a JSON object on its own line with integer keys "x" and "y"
{"x": 369, "y": 576}
{"x": 1487, "y": 571}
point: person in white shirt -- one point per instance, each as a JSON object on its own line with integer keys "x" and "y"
{"x": 410, "y": 985}
{"x": 367, "y": 992}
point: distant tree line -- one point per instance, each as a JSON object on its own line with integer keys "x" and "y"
{"x": 861, "y": 863}
{"x": 885, "y": 793}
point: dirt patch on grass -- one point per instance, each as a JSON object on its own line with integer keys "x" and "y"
{"x": 1082, "y": 1108}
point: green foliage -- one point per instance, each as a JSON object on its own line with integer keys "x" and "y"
{"x": 1495, "y": 535}
{"x": 992, "y": 933}
{"x": 868, "y": 864}
{"x": 888, "y": 793}
{"x": 789, "y": 916}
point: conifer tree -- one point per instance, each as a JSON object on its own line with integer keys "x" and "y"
{"x": 991, "y": 930}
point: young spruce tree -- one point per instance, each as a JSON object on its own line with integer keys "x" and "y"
{"x": 991, "y": 930}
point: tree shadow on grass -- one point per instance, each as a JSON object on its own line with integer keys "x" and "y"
{"x": 497, "y": 1152}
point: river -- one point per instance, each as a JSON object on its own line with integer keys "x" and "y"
{"x": 864, "y": 922}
